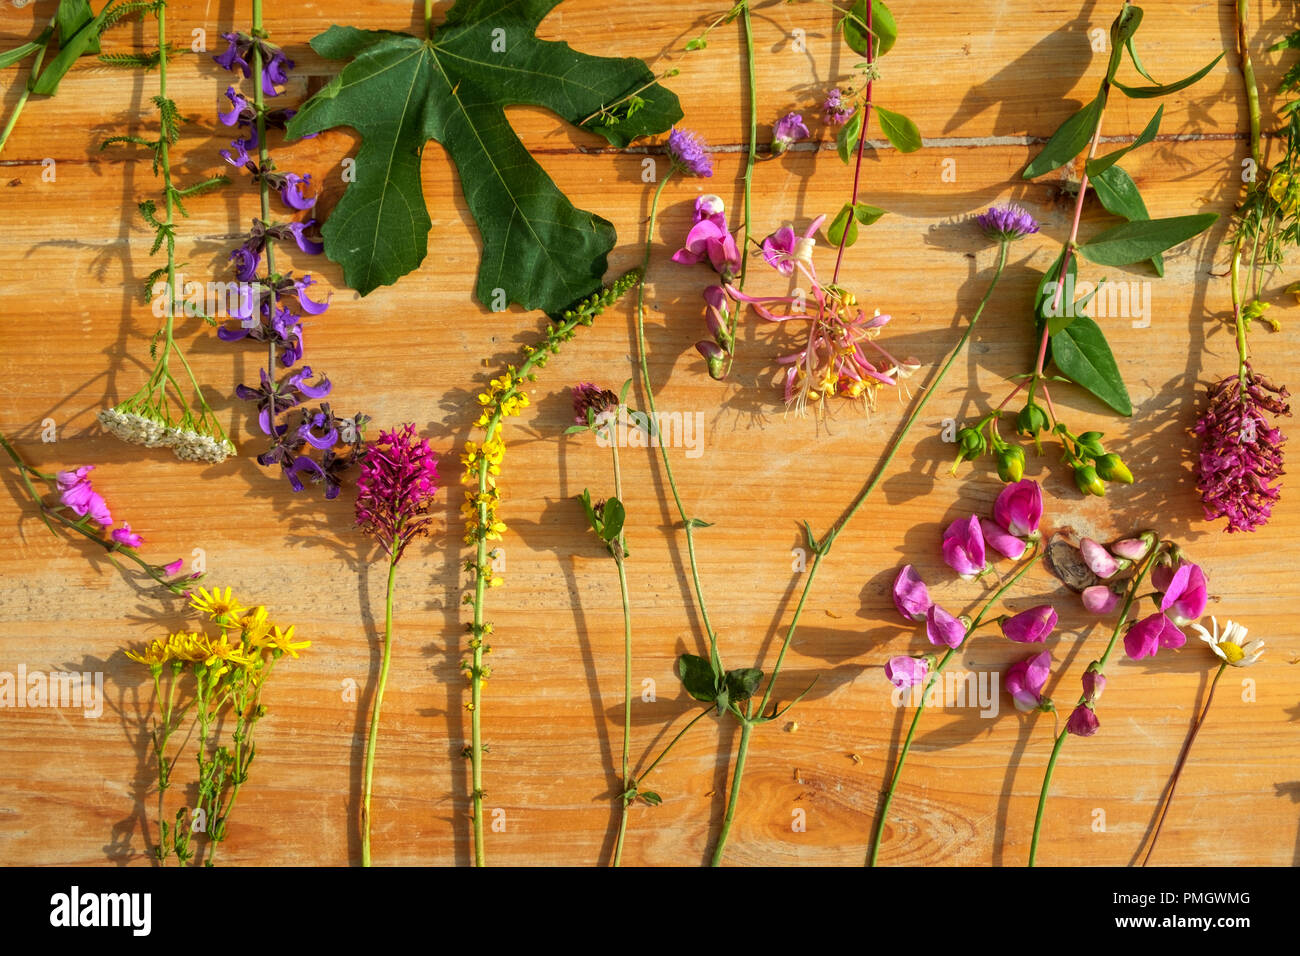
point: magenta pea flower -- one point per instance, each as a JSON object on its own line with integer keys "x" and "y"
{"x": 1032, "y": 626}
{"x": 1083, "y": 721}
{"x": 126, "y": 537}
{"x": 942, "y": 628}
{"x": 906, "y": 671}
{"x": 174, "y": 568}
{"x": 1150, "y": 634}
{"x": 1099, "y": 599}
{"x": 963, "y": 548}
{"x": 784, "y": 249}
{"x": 1026, "y": 679}
{"x": 76, "y": 492}
{"x": 1101, "y": 561}
{"x": 1094, "y": 682}
{"x": 1133, "y": 549}
{"x": 1019, "y": 508}
{"x": 1185, "y": 592}
{"x": 911, "y": 596}
{"x": 708, "y": 238}
{"x": 1002, "y": 541}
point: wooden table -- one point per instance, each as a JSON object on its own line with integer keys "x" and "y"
{"x": 986, "y": 85}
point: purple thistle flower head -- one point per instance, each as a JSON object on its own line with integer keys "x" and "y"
{"x": 399, "y": 477}
{"x": 594, "y": 400}
{"x": 835, "y": 112}
{"x": 688, "y": 152}
{"x": 789, "y": 129}
{"x": 1239, "y": 470}
{"x": 1007, "y": 223}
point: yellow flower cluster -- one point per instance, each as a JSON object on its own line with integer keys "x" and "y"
{"x": 257, "y": 636}
{"x": 503, "y": 398}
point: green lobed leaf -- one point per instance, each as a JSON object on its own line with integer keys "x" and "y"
{"x": 1080, "y": 351}
{"x": 400, "y": 91}
{"x": 1068, "y": 141}
{"x": 846, "y": 140}
{"x": 1134, "y": 241}
{"x": 899, "y": 130}
{"x": 1119, "y": 195}
{"x": 843, "y": 220}
{"x": 1101, "y": 163}
{"x": 1148, "y": 92}
{"x": 697, "y": 677}
{"x": 883, "y": 25}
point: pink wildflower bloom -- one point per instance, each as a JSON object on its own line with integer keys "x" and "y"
{"x": 1099, "y": 560}
{"x": 942, "y": 628}
{"x": 1099, "y": 599}
{"x": 174, "y": 567}
{"x": 1002, "y": 541}
{"x": 906, "y": 671}
{"x": 126, "y": 537}
{"x": 399, "y": 477}
{"x": 1083, "y": 721}
{"x": 963, "y": 548}
{"x": 75, "y": 492}
{"x": 1019, "y": 507}
{"x": 911, "y": 596}
{"x": 1025, "y": 681}
{"x": 1150, "y": 634}
{"x": 1032, "y": 626}
{"x": 709, "y": 238}
{"x": 1185, "y": 591}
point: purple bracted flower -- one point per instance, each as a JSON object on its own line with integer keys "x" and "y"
{"x": 399, "y": 477}
{"x": 788, "y": 130}
{"x": 589, "y": 398}
{"x": 76, "y": 493}
{"x": 272, "y": 399}
{"x": 1007, "y": 223}
{"x": 836, "y": 112}
{"x": 688, "y": 153}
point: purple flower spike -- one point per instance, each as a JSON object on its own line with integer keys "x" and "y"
{"x": 1002, "y": 541}
{"x": 1019, "y": 507}
{"x": 1101, "y": 561}
{"x": 1083, "y": 722}
{"x": 688, "y": 153}
{"x": 292, "y": 195}
{"x": 1032, "y": 626}
{"x": 963, "y": 548}
{"x": 942, "y": 628}
{"x": 399, "y": 477}
{"x": 589, "y": 397}
{"x": 906, "y": 671}
{"x": 1099, "y": 599}
{"x": 1007, "y": 223}
{"x": 1025, "y": 681}
{"x": 911, "y": 596}
{"x": 788, "y": 130}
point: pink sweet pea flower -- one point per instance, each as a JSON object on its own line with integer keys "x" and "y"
{"x": 1094, "y": 682}
{"x": 126, "y": 537}
{"x": 174, "y": 567}
{"x": 1083, "y": 722}
{"x": 963, "y": 548}
{"x": 709, "y": 238}
{"x": 1133, "y": 549}
{"x": 911, "y": 596}
{"x": 1019, "y": 507}
{"x": 75, "y": 492}
{"x": 942, "y": 628}
{"x": 1185, "y": 594}
{"x": 1025, "y": 681}
{"x": 906, "y": 671}
{"x": 1002, "y": 541}
{"x": 1032, "y": 626}
{"x": 1150, "y": 634}
{"x": 1101, "y": 561}
{"x": 1099, "y": 599}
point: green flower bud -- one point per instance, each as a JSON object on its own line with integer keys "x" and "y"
{"x": 1090, "y": 444}
{"x": 1031, "y": 420}
{"x": 1011, "y": 463}
{"x": 1112, "y": 468}
{"x": 971, "y": 444}
{"x": 1085, "y": 476}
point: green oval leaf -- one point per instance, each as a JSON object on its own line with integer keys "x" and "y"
{"x": 1134, "y": 241}
{"x": 1119, "y": 195}
{"x": 899, "y": 130}
{"x": 1080, "y": 351}
{"x": 843, "y": 220}
{"x": 846, "y": 140}
{"x": 883, "y": 25}
{"x": 867, "y": 214}
{"x": 614, "y": 515}
{"x": 1069, "y": 140}
{"x": 697, "y": 677}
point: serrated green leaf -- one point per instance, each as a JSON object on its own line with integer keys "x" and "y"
{"x": 842, "y": 221}
{"x": 401, "y": 91}
{"x": 1134, "y": 241}
{"x": 614, "y": 515}
{"x": 1119, "y": 196}
{"x": 1068, "y": 141}
{"x": 1148, "y": 92}
{"x": 846, "y": 140}
{"x": 866, "y": 213}
{"x": 1080, "y": 351}
{"x": 883, "y": 25}
{"x": 697, "y": 677}
{"x": 899, "y": 130}
{"x": 1102, "y": 163}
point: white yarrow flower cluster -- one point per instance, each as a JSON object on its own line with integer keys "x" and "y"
{"x": 185, "y": 443}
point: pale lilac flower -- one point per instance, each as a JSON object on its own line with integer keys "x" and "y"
{"x": 1019, "y": 508}
{"x": 1026, "y": 679}
{"x": 126, "y": 537}
{"x": 1007, "y": 223}
{"x": 942, "y": 628}
{"x": 1031, "y": 626}
{"x": 835, "y": 112}
{"x": 788, "y": 130}
{"x": 1083, "y": 721}
{"x": 688, "y": 153}
{"x": 963, "y": 548}
{"x": 906, "y": 671}
{"x": 911, "y": 596}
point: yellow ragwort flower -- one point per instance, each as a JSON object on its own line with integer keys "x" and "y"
{"x": 221, "y": 607}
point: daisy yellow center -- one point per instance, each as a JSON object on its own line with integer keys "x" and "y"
{"x": 1232, "y": 652}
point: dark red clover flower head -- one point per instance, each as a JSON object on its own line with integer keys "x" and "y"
{"x": 588, "y": 397}
{"x": 399, "y": 477}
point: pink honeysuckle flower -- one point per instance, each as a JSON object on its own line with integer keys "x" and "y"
{"x": 1185, "y": 592}
{"x": 126, "y": 537}
{"x": 1094, "y": 682}
{"x": 906, "y": 671}
{"x": 783, "y": 249}
{"x": 1101, "y": 561}
{"x": 1083, "y": 722}
{"x": 963, "y": 548}
{"x": 942, "y": 628}
{"x": 1150, "y": 634}
{"x": 76, "y": 492}
{"x": 1002, "y": 541}
{"x": 1019, "y": 508}
{"x": 911, "y": 596}
{"x": 1099, "y": 599}
{"x": 1025, "y": 680}
{"x": 1031, "y": 626}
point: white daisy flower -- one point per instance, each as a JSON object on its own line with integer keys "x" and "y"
{"x": 1230, "y": 646}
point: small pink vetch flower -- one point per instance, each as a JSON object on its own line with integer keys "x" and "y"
{"x": 942, "y": 628}
{"x": 1101, "y": 561}
{"x": 1002, "y": 541}
{"x": 1019, "y": 507}
{"x": 1025, "y": 681}
{"x": 1083, "y": 722}
{"x": 1099, "y": 599}
{"x": 911, "y": 596}
{"x": 906, "y": 671}
{"x": 963, "y": 548}
{"x": 126, "y": 537}
{"x": 1032, "y": 626}
{"x": 1185, "y": 592}
{"x": 1094, "y": 682}
{"x": 174, "y": 567}
{"x": 1150, "y": 634}
{"x": 76, "y": 492}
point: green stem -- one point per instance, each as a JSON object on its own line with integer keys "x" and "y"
{"x": 264, "y": 163}
{"x": 746, "y": 727}
{"x": 44, "y": 40}
{"x": 1042, "y": 795}
{"x": 619, "y": 555}
{"x": 1182, "y": 759}
{"x": 428, "y": 19}
{"x": 680, "y": 734}
{"x": 920, "y": 709}
{"x": 379, "y": 702}
{"x": 1248, "y": 74}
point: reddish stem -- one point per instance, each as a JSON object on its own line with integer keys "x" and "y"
{"x": 862, "y": 143}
